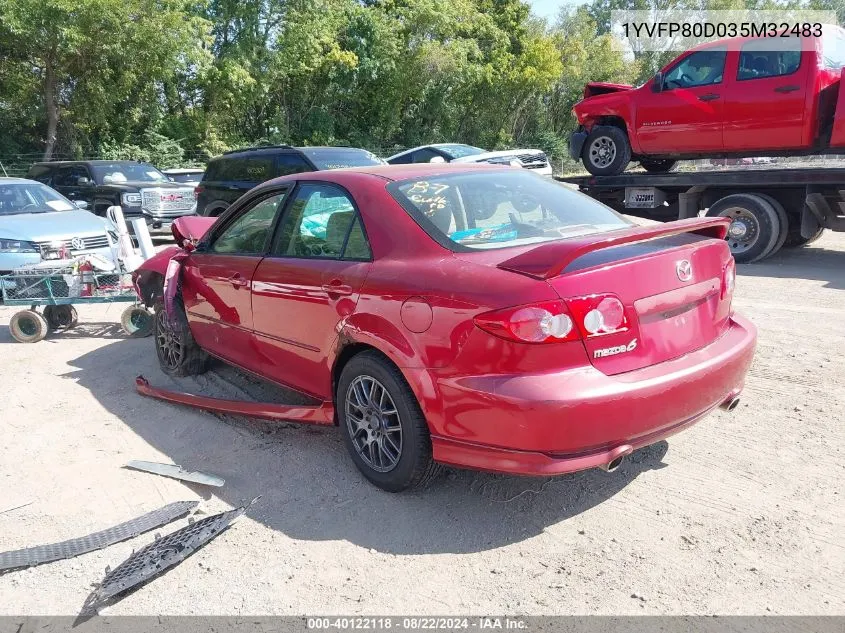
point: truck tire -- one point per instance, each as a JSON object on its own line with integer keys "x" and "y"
{"x": 658, "y": 166}
{"x": 607, "y": 151}
{"x": 754, "y": 225}
{"x": 783, "y": 222}
{"x": 794, "y": 239}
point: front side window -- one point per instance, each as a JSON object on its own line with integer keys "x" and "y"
{"x": 290, "y": 164}
{"x": 69, "y": 176}
{"x": 701, "y": 68}
{"x": 769, "y": 57}
{"x": 424, "y": 155}
{"x": 249, "y": 233}
{"x": 321, "y": 222}
{"x": 457, "y": 150}
{"x": 497, "y": 209}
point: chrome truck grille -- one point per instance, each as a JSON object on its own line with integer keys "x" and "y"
{"x": 165, "y": 203}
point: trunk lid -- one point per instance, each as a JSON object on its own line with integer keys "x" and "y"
{"x": 602, "y": 88}
{"x": 669, "y": 279}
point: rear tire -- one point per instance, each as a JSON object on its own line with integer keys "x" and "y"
{"x": 382, "y": 424}
{"x": 794, "y": 239}
{"x": 607, "y": 151}
{"x": 177, "y": 351}
{"x": 63, "y": 317}
{"x": 27, "y": 326}
{"x": 754, "y": 225}
{"x": 658, "y": 166}
{"x": 783, "y": 223}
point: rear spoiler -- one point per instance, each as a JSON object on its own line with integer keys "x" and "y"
{"x": 551, "y": 259}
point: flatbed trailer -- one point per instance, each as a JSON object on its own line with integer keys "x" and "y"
{"x": 769, "y": 208}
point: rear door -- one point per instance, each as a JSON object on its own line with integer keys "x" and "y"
{"x": 308, "y": 284}
{"x": 686, "y": 116}
{"x": 672, "y": 292}
{"x": 216, "y": 280}
{"x": 765, "y": 104}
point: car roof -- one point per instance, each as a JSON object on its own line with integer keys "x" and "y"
{"x": 277, "y": 148}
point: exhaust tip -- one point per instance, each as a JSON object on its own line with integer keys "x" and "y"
{"x": 613, "y": 464}
{"x": 731, "y": 404}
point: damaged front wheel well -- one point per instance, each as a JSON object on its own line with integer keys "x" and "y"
{"x": 151, "y": 285}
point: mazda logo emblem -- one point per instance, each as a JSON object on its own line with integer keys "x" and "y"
{"x": 77, "y": 243}
{"x": 684, "y": 270}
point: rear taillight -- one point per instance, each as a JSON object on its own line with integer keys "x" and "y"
{"x": 599, "y": 314}
{"x": 197, "y": 191}
{"x": 545, "y": 322}
{"x": 729, "y": 279}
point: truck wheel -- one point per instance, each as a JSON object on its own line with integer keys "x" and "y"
{"x": 382, "y": 424}
{"x": 607, "y": 151}
{"x": 795, "y": 239}
{"x": 753, "y": 232}
{"x": 658, "y": 166}
{"x": 783, "y": 222}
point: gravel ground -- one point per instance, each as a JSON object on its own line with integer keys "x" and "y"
{"x": 742, "y": 514}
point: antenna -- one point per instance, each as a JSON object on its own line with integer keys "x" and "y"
{"x": 4, "y": 170}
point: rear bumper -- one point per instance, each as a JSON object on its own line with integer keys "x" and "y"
{"x": 576, "y": 143}
{"x": 545, "y": 424}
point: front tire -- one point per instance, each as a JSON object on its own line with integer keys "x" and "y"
{"x": 753, "y": 232}
{"x": 607, "y": 151}
{"x": 177, "y": 351}
{"x": 382, "y": 424}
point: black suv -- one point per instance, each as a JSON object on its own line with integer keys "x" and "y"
{"x": 138, "y": 188}
{"x": 231, "y": 175}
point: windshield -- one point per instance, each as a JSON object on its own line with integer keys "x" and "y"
{"x": 339, "y": 157}
{"x": 457, "y": 150}
{"x": 118, "y": 172}
{"x": 30, "y": 197}
{"x": 497, "y": 209}
{"x": 182, "y": 178}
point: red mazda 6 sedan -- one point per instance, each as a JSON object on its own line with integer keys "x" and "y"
{"x": 477, "y": 316}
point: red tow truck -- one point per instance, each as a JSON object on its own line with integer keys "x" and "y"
{"x": 771, "y": 96}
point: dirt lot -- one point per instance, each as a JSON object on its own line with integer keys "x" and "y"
{"x": 742, "y": 514}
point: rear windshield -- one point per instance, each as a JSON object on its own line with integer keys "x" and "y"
{"x": 339, "y": 157}
{"x": 501, "y": 208}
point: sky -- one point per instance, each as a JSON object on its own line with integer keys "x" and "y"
{"x": 550, "y": 8}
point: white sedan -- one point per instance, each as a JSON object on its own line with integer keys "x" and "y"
{"x": 533, "y": 159}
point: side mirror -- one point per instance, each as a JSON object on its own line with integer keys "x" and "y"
{"x": 81, "y": 204}
{"x": 82, "y": 181}
{"x": 437, "y": 159}
{"x": 657, "y": 86}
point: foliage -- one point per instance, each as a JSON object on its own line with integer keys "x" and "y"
{"x": 162, "y": 80}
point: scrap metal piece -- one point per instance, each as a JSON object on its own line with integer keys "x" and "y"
{"x": 320, "y": 414}
{"x": 177, "y": 472}
{"x": 74, "y": 547}
{"x": 155, "y": 558}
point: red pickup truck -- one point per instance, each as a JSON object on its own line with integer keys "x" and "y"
{"x": 737, "y": 97}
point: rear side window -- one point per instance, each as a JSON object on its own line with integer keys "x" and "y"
{"x": 321, "y": 222}
{"x": 497, "y": 209}
{"x": 291, "y": 164}
{"x": 769, "y": 57}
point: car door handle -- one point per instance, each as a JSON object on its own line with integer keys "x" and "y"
{"x": 711, "y": 96}
{"x": 238, "y": 282}
{"x": 337, "y": 287}
{"x": 787, "y": 88}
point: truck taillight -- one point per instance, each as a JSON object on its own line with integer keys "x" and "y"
{"x": 729, "y": 279}
{"x": 598, "y": 314}
{"x": 544, "y": 322}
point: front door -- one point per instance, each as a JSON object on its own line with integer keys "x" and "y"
{"x": 74, "y": 183}
{"x": 685, "y": 117}
{"x": 308, "y": 285}
{"x": 765, "y": 106}
{"x": 216, "y": 281}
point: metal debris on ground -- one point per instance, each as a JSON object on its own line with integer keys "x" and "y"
{"x": 163, "y": 553}
{"x": 74, "y": 547}
{"x": 177, "y": 472}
